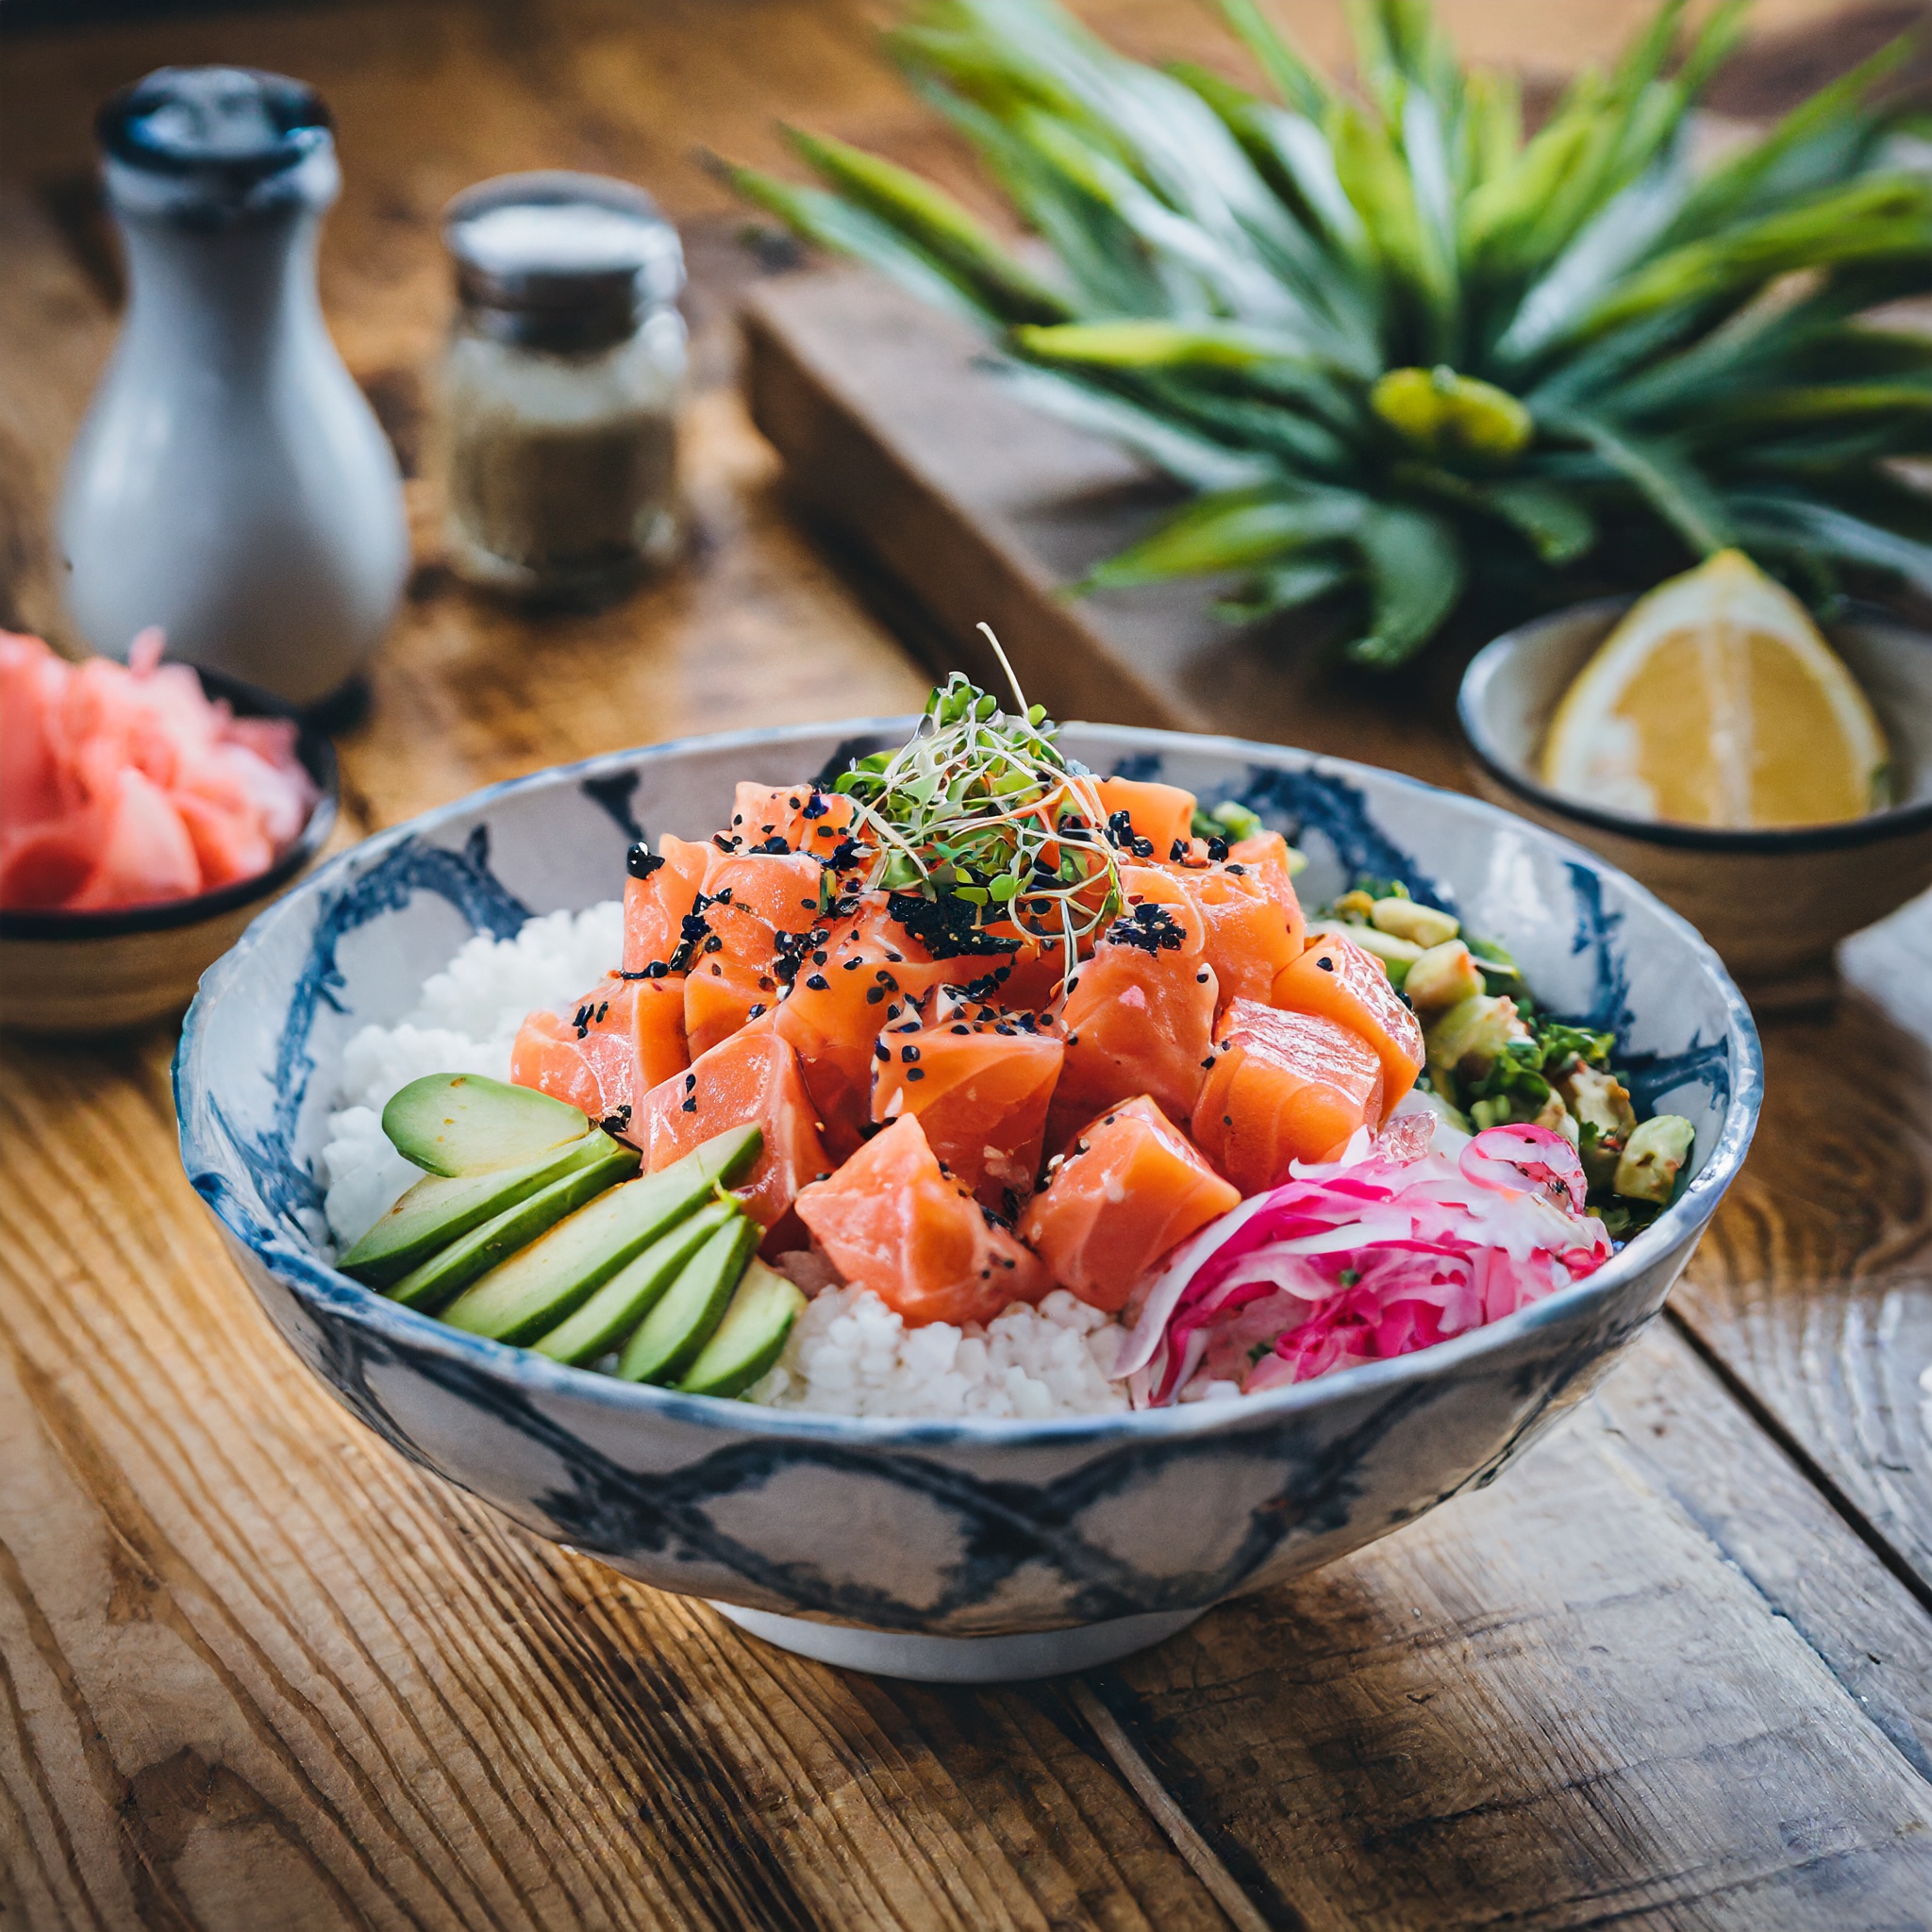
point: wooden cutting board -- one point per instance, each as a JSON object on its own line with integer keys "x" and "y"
{"x": 964, "y": 504}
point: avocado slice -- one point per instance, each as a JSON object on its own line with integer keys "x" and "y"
{"x": 668, "y": 1339}
{"x": 633, "y": 1292}
{"x": 750, "y": 1338}
{"x": 459, "y": 1123}
{"x": 533, "y": 1292}
{"x": 440, "y": 1208}
{"x": 484, "y": 1248}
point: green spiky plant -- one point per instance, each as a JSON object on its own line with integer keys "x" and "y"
{"x": 1400, "y": 352}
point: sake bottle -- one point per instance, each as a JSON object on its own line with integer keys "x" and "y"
{"x": 230, "y": 482}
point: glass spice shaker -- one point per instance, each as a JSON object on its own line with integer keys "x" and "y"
{"x": 560, "y": 386}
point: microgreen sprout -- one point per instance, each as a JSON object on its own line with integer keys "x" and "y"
{"x": 980, "y": 808}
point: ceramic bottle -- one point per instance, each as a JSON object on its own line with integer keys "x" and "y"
{"x": 230, "y": 482}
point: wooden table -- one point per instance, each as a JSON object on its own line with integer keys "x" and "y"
{"x": 258, "y": 1671}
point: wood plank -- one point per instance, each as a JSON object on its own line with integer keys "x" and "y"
{"x": 1814, "y": 1287}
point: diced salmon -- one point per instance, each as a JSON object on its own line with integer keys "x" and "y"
{"x": 1264, "y": 857}
{"x": 752, "y": 1079}
{"x": 758, "y": 911}
{"x": 893, "y": 1223}
{"x": 655, "y": 907}
{"x": 1029, "y": 978}
{"x": 873, "y": 971}
{"x": 1342, "y": 981}
{"x": 980, "y": 1084}
{"x": 800, "y": 817}
{"x": 1247, "y": 940}
{"x": 1130, "y": 1188}
{"x": 607, "y": 1050}
{"x": 1283, "y": 1087}
{"x": 1161, "y": 815}
{"x": 721, "y": 998}
{"x": 1139, "y": 1017}
{"x": 777, "y": 889}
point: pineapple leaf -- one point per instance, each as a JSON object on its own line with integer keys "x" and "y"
{"x": 1232, "y": 531}
{"x": 1291, "y": 77}
{"x": 1393, "y": 346}
{"x": 1415, "y": 576}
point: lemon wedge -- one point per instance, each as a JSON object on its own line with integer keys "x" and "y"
{"x": 1716, "y": 702}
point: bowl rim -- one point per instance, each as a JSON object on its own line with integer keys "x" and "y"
{"x": 1875, "y": 827}
{"x": 1677, "y": 1229}
{"x": 317, "y": 753}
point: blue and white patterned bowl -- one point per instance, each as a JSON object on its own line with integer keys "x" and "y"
{"x": 961, "y": 1550}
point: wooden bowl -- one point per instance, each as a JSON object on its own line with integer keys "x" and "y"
{"x": 1772, "y": 902}
{"x": 90, "y": 973}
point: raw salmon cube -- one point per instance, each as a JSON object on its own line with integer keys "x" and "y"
{"x": 980, "y": 1084}
{"x": 1264, "y": 858}
{"x": 655, "y": 907}
{"x": 1130, "y": 1188}
{"x": 719, "y": 999}
{"x": 1247, "y": 937}
{"x": 1340, "y": 981}
{"x": 1140, "y": 1016}
{"x": 1161, "y": 816}
{"x": 752, "y": 1079}
{"x": 607, "y": 1050}
{"x": 800, "y": 818}
{"x": 893, "y": 1223}
{"x": 870, "y": 971}
{"x": 1283, "y": 1087}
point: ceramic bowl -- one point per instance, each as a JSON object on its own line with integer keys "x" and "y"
{"x": 961, "y": 1550}
{"x": 77, "y": 973}
{"x": 1772, "y": 902}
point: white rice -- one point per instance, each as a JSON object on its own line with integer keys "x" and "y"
{"x": 848, "y": 1353}
{"x": 465, "y": 1023}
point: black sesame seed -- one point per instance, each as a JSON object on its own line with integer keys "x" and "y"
{"x": 915, "y": 1072}
{"x": 818, "y": 982}
{"x": 1325, "y": 964}
{"x": 909, "y": 1053}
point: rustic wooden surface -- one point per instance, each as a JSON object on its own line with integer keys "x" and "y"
{"x": 258, "y": 1671}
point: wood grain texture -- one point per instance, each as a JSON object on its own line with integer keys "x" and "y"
{"x": 258, "y": 1671}
{"x": 252, "y": 1653}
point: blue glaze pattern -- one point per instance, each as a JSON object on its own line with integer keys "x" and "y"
{"x": 965, "y": 1527}
{"x": 1295, "y": 803}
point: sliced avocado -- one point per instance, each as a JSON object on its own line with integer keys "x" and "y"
{"x": 750, "y": 1338}
{"x": 633, "y": 1292}
{"x": 459, "y": 1123}
{"x": 483, "y": 1248}
{"x": 669, "y": 1337}
{"x": 531, "y": 1292}
{"x": 440, "y": 1208}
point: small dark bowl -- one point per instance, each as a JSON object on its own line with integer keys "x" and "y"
{"x": 85, "y": 973}
{"x": 1772, "y": 902}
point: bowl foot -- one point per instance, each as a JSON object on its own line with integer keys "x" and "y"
{"x": 960, "y": 1659}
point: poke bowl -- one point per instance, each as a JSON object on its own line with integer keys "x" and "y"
{"x": 968, "y": 1546}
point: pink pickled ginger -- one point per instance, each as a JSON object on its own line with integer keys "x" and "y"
{"x": 125, "y": 785}
{"x": 1403, "y": 1242}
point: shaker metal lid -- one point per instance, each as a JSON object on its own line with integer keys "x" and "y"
{"x": 555, "y": 246}
{"x": 229, "y": 128}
